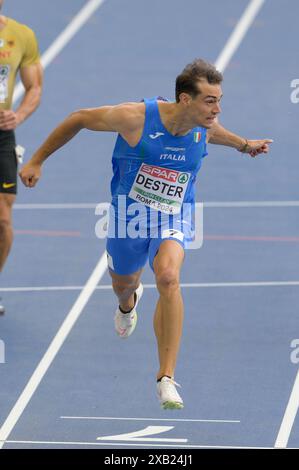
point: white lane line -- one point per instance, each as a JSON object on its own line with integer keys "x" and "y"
{"x": 211, "y": 204}
{"x": 242, "y": 284}
{"x": 153, "y": 286}
{"x": 53, "y": 349}
{"x": 289, "y": 416}
{"x": 42, "y": 368}
{"x": 62, "y": 40}
{"x": 245, "y": 204}
{"x": 238, "y": 34}
{"x": 72, "y": 443}
{"x": 104, "y": 418}
{"x": 89, "y": 205}
{"x": 41, "y": 289}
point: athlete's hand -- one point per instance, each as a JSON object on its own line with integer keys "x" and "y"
{"x": 8, "y": 120}
{"x": 30, "y": 174}
{"x": 255, "y": 147}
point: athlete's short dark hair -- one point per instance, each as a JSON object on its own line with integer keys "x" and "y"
{"x": 187, "y": 81}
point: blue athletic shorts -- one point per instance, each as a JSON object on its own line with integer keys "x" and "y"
{"x": 128, "y": 255}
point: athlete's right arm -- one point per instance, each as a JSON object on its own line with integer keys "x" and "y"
{"x": 122, "y": 118}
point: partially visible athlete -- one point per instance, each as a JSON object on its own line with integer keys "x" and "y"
{"x": 18, "y": 52}
{"x": 157, "y": 155}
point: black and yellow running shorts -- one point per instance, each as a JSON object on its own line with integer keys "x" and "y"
{"x": 8, "y": 163}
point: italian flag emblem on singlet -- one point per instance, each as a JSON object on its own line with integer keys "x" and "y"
{"x": 197, "y": 136}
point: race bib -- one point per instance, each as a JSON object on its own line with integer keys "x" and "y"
{"x": 162, "y": 189}
{"x": 4, "y": 74}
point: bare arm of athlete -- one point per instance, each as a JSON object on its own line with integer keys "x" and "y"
{"x": 221, "y": 136}
{"x": 127, "y": 119}
{"x": 31, "y": 77}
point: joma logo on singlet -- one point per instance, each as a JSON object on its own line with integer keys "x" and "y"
{"x": 175, "y": 157}
{"x": 156, "y": 135}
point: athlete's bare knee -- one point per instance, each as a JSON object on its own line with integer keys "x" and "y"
{"x": 127, "y": 282}
{"x": 5, "y": 228}
{"x": 167, "y": 279}
{"x": 125, "y": 286}
{"x": 124, "y": 290}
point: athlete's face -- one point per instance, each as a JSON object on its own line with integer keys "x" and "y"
{"x": 205, "y": 107}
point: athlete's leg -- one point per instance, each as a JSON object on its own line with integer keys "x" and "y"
{"x": 6, "y": 231}
{"x": 168, "y": 319}
{"x": 129, "y": 291}
{"x": 126, "y": 259}
{"x": 124, "y": 287}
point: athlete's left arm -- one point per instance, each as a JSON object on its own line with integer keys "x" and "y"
{"x": 32, "y": 79}
{"x": 221, "y": 136}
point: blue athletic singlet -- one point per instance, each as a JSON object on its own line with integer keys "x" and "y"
{"x": 157, "y": 147}
{"x": 159, "y": 175}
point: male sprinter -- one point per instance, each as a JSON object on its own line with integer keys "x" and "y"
{"x": 147, "y": 132}
{"x": 18, "y": 52}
